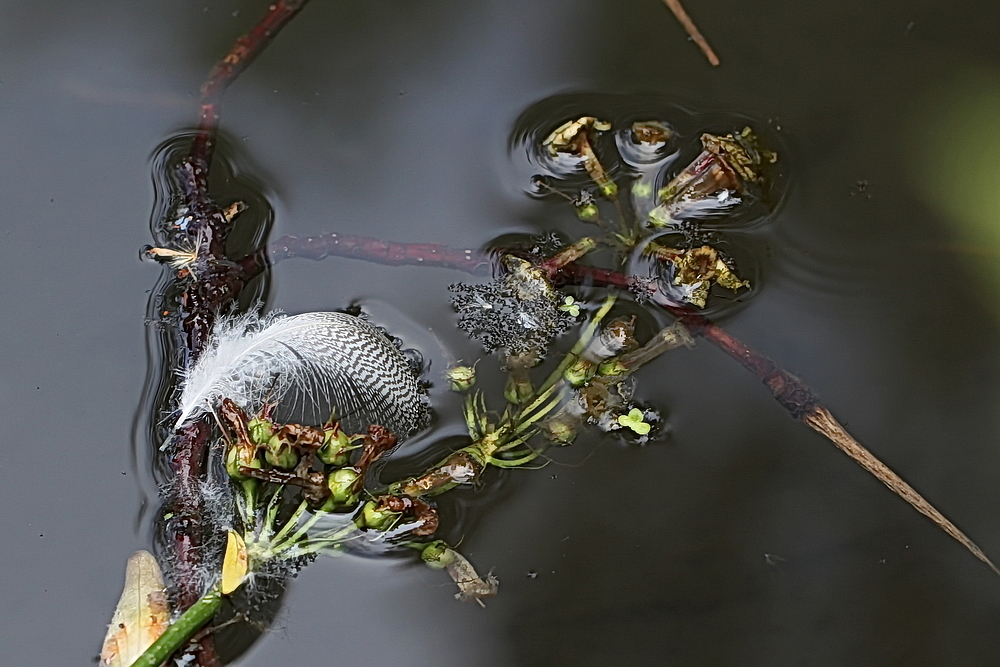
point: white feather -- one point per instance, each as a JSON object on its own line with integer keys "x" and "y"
{"x": 333, "y": 360}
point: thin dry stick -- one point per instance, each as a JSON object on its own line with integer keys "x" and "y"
{"x": 692, "y": 30}
{"x": 792, "y": 393}
{"x": 820, "y": 419}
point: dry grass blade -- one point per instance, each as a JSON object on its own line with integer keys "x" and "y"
{"x": 692, "y": 30}
{"x": 820, "y": 419}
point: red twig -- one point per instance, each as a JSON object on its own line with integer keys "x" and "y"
{"x": 374, "y": 250}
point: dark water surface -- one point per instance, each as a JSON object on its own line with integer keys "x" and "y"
{"x": 744, "y": 539}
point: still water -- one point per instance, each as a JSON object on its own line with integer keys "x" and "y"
{"x": 742, "y": 538}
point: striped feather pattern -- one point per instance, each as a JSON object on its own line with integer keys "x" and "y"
{"x": 334, "y": 360}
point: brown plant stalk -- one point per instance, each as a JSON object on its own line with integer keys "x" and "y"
{"x": 793, "y": 395}
{"x": 692, "y": 30}
{"x": 215, "y": 289}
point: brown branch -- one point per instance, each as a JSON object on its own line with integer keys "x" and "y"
{"x": 790, "y": 392}
{"x": 244, "y": 51}
{"x": 213, "y": 288}
{"x": 373, "y": 250}
{"x": 692, "y": 30}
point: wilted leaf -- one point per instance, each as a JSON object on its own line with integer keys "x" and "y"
{"x": 142, "y": 615}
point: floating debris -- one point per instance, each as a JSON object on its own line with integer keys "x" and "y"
{"x": 329, "y": 357}
{"x": 572, "y": 138}
{"x": 695, "y": 270}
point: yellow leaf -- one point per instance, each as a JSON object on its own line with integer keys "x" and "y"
{"x": 234, "y": 564}
{"x": 142, "y": 614}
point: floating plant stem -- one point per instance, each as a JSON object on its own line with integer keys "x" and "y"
{"x": 820, "y": 420}
{"x": 181, "y": 630}
{"x": 581, "y": 344}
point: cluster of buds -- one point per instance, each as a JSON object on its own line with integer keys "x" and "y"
{"x": 314, "y": 458}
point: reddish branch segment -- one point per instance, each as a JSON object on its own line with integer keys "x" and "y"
{"x": 378, "y": 251}
{"x": 244, "y": 51}
{"x": 791, "y": 392}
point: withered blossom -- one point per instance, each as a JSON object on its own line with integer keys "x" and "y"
{"x": 470, "y": 585}
{"x": 651, "y": 132}
{"x": 572, "y": 138}
{"x": 695, "y": 269}
{"x": 717, "y": 180}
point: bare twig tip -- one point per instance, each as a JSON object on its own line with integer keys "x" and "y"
{"x": 692, "y": 30}
{"x": 820, "y": 420}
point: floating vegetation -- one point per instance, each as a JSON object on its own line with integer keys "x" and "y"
{"x": 717, "y": 180}
{"x": 279, "y": 491}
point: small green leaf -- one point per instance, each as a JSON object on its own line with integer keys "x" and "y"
{"x": 570, "y": 306}
{"x": 634, "y": 421}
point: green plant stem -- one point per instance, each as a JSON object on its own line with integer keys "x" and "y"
{"x": 192, "y": 620}
{"x": 273, "y": 505}
{"x": 291, "y": 541}
{"x": 577, "y": 349}
{"x": 292, "y": 522}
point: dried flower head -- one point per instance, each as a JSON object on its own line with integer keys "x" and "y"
{"x": 520, "y": 311}
{"x": 695, "y": 269}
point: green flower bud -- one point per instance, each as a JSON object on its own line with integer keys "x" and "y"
{"x": 609, "y": 188}
{"x": 343, "y": 485}
{"x": 335, "y": 448}
{"x": 579, "y": 372}
{"x": 238, "y": 457}
{"x": 642, "y": 188}
{"x": 587, "y": 212}
{"x": 280, "y": 453}
{"x": 437, "y": 555}
{"x": 518, "y": 390}
{"x": 462, "y": 378}
{"x": 261, "y": 430}
{"x": 561, "y": 430}
{"x": 376, "y": 519}
{"x": 612, "y": 367}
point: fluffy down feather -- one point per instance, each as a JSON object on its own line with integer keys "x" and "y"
{"x": 331, "y": 359}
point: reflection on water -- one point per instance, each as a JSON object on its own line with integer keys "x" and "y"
{"x": 741, "y": 540}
